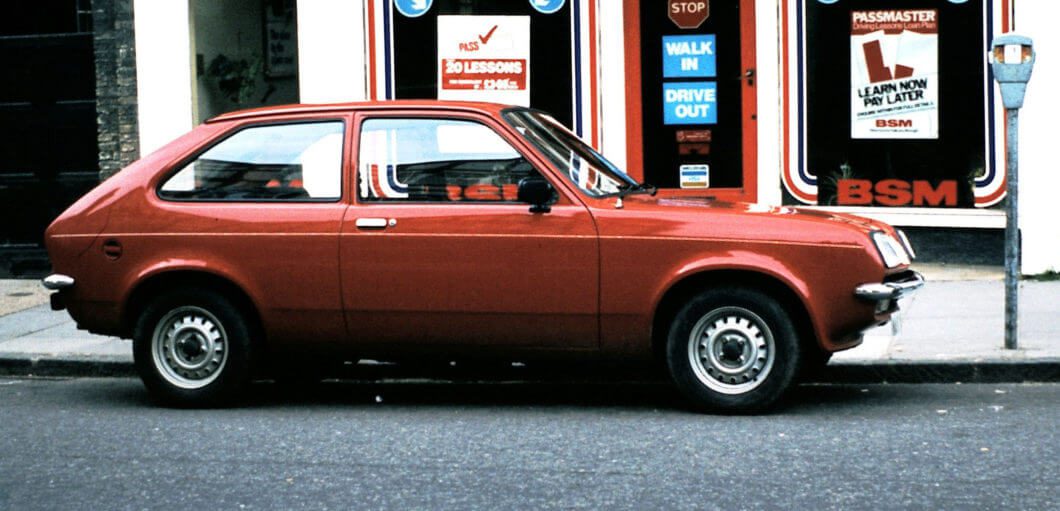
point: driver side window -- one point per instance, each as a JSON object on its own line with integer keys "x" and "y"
{"x": 437, "y": 160}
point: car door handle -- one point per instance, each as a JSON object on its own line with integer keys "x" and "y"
{"x": 375, "y": 223}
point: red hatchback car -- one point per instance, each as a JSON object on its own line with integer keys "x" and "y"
{"x": 402, "y": 229}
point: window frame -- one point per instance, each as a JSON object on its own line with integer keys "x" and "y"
{"x": 183, "y": 163}
{"x": 442, "y": 115}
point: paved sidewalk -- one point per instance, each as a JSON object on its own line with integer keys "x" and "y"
{"x": 952, "y": 330}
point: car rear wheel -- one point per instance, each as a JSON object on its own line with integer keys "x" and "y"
{"x": 733, "y": 350}
{"x": 192, "y": 348}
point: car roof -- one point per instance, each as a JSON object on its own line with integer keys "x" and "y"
{"x": 403, "y": 104}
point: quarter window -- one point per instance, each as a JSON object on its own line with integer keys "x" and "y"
{"x": 437, "y": 160}
{"x": 290, "y": 162}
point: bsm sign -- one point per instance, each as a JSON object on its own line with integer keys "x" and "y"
{"x": 688, "y": 14}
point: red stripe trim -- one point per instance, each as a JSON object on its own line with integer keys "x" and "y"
{"x": 371, "y": 50}
{"x": 376, "y": 189}
{"x": 634, "y": 124}
{"x": 593, "y": 72}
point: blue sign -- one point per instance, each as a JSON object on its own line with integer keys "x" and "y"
{"x": 547, "y": 6}
{"x": 688, "y": 56}
{"x": 413, "y": 8}
{"x": 690, "y": 103}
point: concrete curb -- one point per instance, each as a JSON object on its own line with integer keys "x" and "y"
{"x": 66, "y": 368}
{"x": 1044, "y": 371}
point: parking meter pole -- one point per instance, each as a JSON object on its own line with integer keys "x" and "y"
{"x": 1012, "y": 60}
{"x": 1012, "y": 237}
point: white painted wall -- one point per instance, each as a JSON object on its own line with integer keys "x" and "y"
{"x": 164, "y": 66}
{"x": 1039, "y": 172}
{"x": 770, "y": 90}
{"x": 332, "y": 58}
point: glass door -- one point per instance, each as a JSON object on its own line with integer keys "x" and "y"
{"x": 691, "y": 100}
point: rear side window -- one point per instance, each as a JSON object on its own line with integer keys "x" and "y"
{"x": 288, "y": 162}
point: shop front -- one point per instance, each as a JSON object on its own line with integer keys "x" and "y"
{"x": 883, "y": 108}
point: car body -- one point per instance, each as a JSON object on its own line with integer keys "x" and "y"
{"x": 388, "y": 230}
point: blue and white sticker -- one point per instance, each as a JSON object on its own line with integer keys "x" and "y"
{"x": 413, "y": 8}
{"x": 688, "y": 56}
{"x": 547, "y": 6}
{"x": 695, "y": 176}
{"x": 690, "y": 103}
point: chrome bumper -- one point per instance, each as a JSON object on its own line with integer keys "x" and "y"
{"x": 57, "y": 281}
{"x": 877, "y": 292}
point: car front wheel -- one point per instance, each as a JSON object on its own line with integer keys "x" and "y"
{"x": 192, "y": 348}
{"x": 733, "y": 350}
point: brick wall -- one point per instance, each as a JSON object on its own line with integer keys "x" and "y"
{"x": 115, "y": 51}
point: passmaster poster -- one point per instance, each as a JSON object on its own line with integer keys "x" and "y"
{"x": 894, "y": 74}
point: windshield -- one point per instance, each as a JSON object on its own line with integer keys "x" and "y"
{"x": 580, "y": 163}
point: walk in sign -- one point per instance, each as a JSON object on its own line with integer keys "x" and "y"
{"x": 690, "y": 103}
{"x": 688, "y": 56}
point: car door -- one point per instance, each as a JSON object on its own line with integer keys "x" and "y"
{"x": 436, "y": 250}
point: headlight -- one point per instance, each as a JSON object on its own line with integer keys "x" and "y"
{"x": 890, "y": 249}
{"x": 905, "y": 243}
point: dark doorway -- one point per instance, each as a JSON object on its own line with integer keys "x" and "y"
{"x": 48, "y": 143}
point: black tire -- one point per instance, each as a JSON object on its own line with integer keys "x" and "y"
{"x": 738, "y": 326}
{"x": 208, "y": 330}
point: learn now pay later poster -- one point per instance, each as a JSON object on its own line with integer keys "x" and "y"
{"x": 484, "y": 58}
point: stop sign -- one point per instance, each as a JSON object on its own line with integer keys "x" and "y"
{"x": 688, "y": 13}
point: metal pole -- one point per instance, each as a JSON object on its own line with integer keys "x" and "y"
{"x": 1012, "y": 237}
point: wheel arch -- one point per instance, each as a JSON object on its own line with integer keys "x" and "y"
{"x": 690, "y": 285}
{"x": 157, "y": 283}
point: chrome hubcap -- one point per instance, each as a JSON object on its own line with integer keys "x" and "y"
{"x": 189, "y": 347}
{"x": 731, "y": 350}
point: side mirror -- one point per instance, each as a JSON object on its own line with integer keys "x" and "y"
{"x": 537, "y": 192}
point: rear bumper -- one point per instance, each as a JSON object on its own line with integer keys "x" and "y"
{"x": 904, "y": 284}
{"x": 57, "y": 281}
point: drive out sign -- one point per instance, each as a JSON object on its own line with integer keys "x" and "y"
{"x": 690, "y": 103}
{"x": 688, "y": 14}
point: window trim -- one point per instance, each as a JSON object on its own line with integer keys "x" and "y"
{"x": 181, "y": 164}
{"x": 461, "y": 116}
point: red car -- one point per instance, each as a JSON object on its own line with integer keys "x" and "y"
{"x": 394, "y": 230}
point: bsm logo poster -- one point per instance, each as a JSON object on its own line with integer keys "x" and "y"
{"x": 894, "y": 74}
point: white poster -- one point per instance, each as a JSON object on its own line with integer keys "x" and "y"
{"x": 894, "y": 74}
{"x": 484, "y": 58}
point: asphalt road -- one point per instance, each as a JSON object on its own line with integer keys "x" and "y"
{"x": 100, "y": 444}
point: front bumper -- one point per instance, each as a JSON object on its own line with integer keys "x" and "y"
{"x": 903, "y": 284}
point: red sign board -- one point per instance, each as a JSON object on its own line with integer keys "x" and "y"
{"x": 484, "y": 74}
{"x": 688, "y": 14}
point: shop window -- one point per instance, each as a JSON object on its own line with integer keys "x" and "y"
{"x": 293, "y": 162}
{"x": 895, "y": 101}
{"x": 437, "y": 160}
{"x": 515, "y": 52}
{"x": 246, "y": 54}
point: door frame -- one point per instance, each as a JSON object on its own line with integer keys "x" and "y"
{"x": 749, "y": 106}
